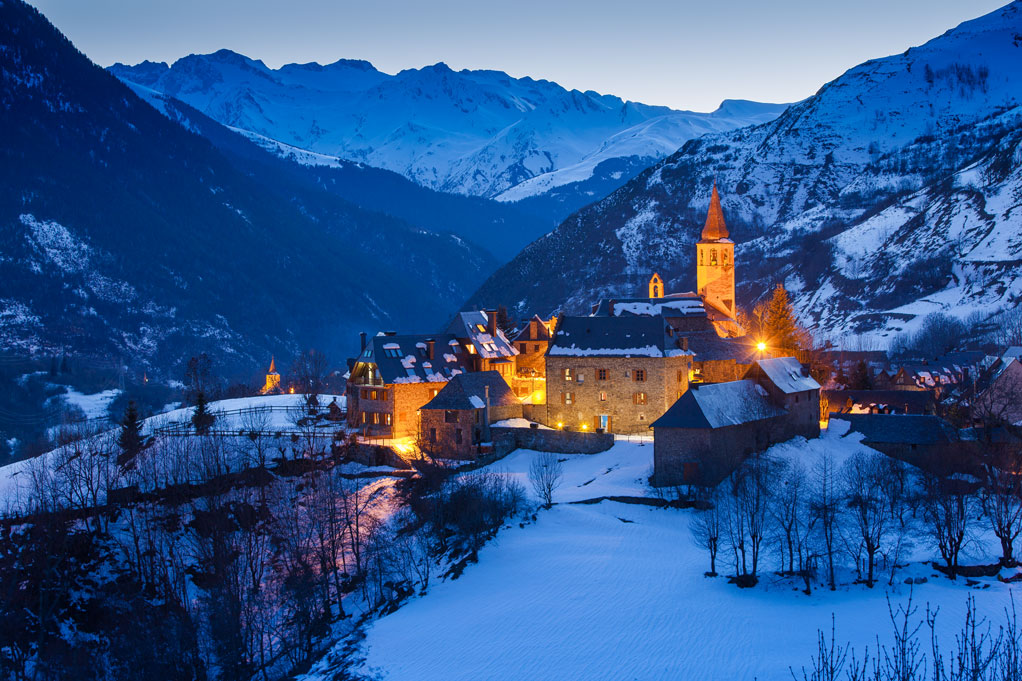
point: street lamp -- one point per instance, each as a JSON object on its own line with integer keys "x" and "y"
{"x": 761, "y": 346}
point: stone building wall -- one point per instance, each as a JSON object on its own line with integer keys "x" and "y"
{"x": 533, "y": 356}
{"x": 720, "y": 371}
{"x": 666, "y": 379}
{"x": 440, "y": 438}
{"x": 400, "y": 400}
{"x": 559, "y": 441}
{"x": 705, "y": 456}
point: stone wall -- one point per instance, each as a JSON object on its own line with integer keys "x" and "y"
{"x": 440, "y": 438}
{"x": 543, "y": 440}
{"x": 666, "y": 379}
{"x": 720, "y": 371}
{"x": 531, "y": 358}
{"x": 704, "y": 456}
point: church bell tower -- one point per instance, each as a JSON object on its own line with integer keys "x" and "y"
{"x": 715, "y": 261}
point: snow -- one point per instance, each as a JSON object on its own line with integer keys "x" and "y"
{"x": 518, "y": 423}
{"x": 787, "y": 374}
{"x": 476, "y": 401}
{"x": 94, "y": 405}
{"x": 683, "y": 306}
{"x": 575, "y": 351}
{"x": 616, "y": 591}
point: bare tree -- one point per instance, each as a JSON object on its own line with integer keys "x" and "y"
{"x": 708, "y": 525}
{"x": 309, "y": 372}
{"x": 545, "y": 474}
{"x": 868, "y": 506}
{"x": 824, "y": 503}
{"x": 946, "y": 509}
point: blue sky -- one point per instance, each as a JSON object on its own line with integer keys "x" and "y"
{"x": 679, "y": 53}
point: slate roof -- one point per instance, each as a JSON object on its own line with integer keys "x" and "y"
{"x": 672, "y": 305}
{"x": 468, "y": 391}
{"x": 717, "y": 405}
{"x": 472, "y": 325}
{"x": 542, "y": 331}
{"x": 900, "y": 429}
{"x": 787, "y": 374}
{"x": 714, "y": 229}
{"x": 631, "y": 336}
{"x": 404, "y": 359}
{"x": 914, "y": 401}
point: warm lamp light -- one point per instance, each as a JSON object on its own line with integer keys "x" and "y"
{"x": 560, "y": 425}
{"x": 761, "y": 346}
{"x": 585, "y": 426}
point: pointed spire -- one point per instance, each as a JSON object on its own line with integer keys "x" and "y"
{"x": 273, "y": 366}
{"x": 714, "y": 229}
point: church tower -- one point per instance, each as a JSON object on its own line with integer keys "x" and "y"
{"x": 715, "y": 261}
{"x": 272, "y": 379}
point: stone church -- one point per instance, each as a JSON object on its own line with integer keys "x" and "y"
{"x": 620, "y": 368}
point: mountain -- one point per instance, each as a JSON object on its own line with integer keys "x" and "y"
{"x": 480, "y": 133}
{"x": 894, "y": 191}
{"x": 125, "y": 233}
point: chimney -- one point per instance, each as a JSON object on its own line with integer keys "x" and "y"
{"x": 430, "y": 345}
{"x": 491, "y": 322}
{"x": 684, "y": 343}
{"x": 362, "y": 341}
{"x": 612, "y": 303}
{"x": 533, "y": 330}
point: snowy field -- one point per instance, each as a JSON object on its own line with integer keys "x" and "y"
{"x": 617, "y": 591}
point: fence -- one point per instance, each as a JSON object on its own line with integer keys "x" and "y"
{"x": 297, "y": 412}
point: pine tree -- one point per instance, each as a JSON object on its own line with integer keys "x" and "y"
{"x": 860, "y": 378}
{"x": 202, "y": 419}
{"x": 65, "y": 366}
{"x": 780, "y": 326}
{"x": 130, "y": 439}
{"x": 53, "y": 365}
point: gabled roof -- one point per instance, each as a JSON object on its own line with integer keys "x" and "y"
{"x": 918, "y": 401}
{"x": 913, "y": 429}
{"x": 468, "y": 391}
{"x": 714, "y": 229}
{"x": 405, "y": 359}
{"x": 787, "y": 374}
{"x": 717, "y": 405}
{"x": 542, "y": 330}
{"x": 472, "y": 325}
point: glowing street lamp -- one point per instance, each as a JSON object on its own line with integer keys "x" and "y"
{"x": 761, "y": 346}
{"x": 560, "y": 426}
{"x": 585, "y": 426}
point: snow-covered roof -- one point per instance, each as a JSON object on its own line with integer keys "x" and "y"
{"x": 717, "y": 405}
{"x": 473, "y": 325}
{"x": 468, "y": 391}
{"x": 787, "y": 374}
{"x": 407, "y": 358}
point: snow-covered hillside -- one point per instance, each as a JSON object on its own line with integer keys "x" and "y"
{"x": 615, "y": 590}
{"x": 469, "y": 132}
{"x": 893, "y": 191}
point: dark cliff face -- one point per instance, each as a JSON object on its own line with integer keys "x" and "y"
{"x": 891, "y": 193}
{"x": 124, "y": 233}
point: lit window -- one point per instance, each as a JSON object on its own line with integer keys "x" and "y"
{"x": 481, "y": 328}
{"x": 603, "y": 397}
{"x": 639, "y": 398}
{"x": 569, "y": 375}
{"x": 568, "y": 398}
{"x": 713, "y": 256}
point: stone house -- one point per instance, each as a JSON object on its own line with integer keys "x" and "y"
{"x": 1000, "y": 400}
{"x": 618, "y": 374}
{"x": 487, "y": 347}
{"x": 457, "y": 421}
{"x": 394, "y": 376}
{"x": 710, "y": 430}
{"x": 532, "y": 343}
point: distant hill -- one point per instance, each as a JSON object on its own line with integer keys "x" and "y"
{"x": 895, "y": 191}
{"x": 124, "y": 233}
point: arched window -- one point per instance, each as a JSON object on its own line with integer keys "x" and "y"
{"x": 701, "y": 257}
{"x": 656, "y": 291}
{"x": 723, "y": 256}
{"x": 713, "y": 256}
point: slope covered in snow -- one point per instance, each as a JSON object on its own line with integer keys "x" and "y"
{"x": 893, "y": 191}
{"x": 468, "y": 132}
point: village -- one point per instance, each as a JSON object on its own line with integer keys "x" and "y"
{"x": 709, "y": 384}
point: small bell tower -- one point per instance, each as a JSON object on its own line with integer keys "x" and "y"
{"x": 715, "y": 260}
{"x": 656, "y": 286}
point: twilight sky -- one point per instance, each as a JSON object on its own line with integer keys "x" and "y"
{"x": 682, "y": 53}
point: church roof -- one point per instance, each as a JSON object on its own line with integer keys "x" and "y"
{"x": 714, "y": 229}
{"x": 273, "y": 365}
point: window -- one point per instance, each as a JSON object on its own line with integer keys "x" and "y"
{"x": 601, "y": 374}
{"x": 490, "y": 347}
{"x": 422, "y": 350}
{"x": 535, "y": 347}
{"x": 682, "y": 375}
{"x": 569, "y": 375}
{"x": 700, "y": 256}
{"x": 639, "y": 375}
{"x": 568, "y": 398}
{"x": 432, "y": 434}
{"x": 713, "y": 256}
{"x": 392, "y": 352}
{"x": 639, "y": 398}
{"x": 796, "y": 399}
{"x": 388, "y": 419}
{"x": 471, "y": 349}
{"x": 603, "y": 396}
{"x": 522, "y": 347}
{"x": 656, "y": 291}
{"x": 457, "y": 436}
{"x": 433, "y": 392}
{"x": 481, "y": 328}
{"x": 723, "y": 257}
{"x": 581, "y": 378}
{"x": 364, "y": 417}
{"x": 450, "y": 416}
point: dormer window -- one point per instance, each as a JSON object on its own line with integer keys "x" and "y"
{"x": 480, "y": 328}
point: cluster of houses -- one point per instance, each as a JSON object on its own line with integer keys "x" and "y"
{"x": 677, "y": 364}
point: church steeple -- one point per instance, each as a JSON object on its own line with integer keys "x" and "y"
{"x": 714, "y": 229}
{"x": 273, "y": 366}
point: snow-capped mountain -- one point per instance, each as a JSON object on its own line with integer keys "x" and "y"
{"x": 123, "y": 233}
{"x": 896, "y": 190}
{"x": 480, "y": 133}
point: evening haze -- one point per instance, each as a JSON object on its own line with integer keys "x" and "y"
{"x": 683, "y": 54}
